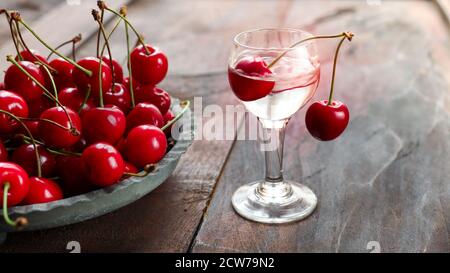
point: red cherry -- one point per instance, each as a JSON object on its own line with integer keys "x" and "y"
{"x": 15, "y": 105}
{"x": 2, "y": 86}
{"x": 146, "y": 144}
{"x": 63, "y": 75}
{"x": 42, "y": 190}
{"x": 126, "y": 83}
{"x": 71, "y": 171}
{"x": 26, "y": 56}
{"x": 104, "y": 124}
{"x": 54, "y": 135}
{"x": 3, "y": 152}
{"x": 83, "y": 81}
{"x": 73, "y": 98}
{"x": 25, "y": 156}
{"x": 18, "y": 82}
{"x": 130, "y": 168}
{"x": 326, "y": 122}
{"x": 39, "y": 105}
{"x": 153, "y": 95}
{"x": 103, "y": 164}
{"x": 118, "y": 96}
{"x": 148, "y": 69}
{"x": 118, "y": 71}
{"x": 246, "y": 79}
{"x": 32, "y": 126}
{"x": 167, "y": 118}
{"x": 144, "y": 113}
{"x": 18, "y": 180}
{"x": 121, "y": 145}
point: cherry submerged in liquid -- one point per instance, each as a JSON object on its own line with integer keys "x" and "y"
{"x": 246, "y": 79}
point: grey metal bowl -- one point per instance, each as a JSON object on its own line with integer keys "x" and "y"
{"x": 99, "y": 202}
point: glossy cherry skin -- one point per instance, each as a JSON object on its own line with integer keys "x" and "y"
{"x": 146, "y": 144}
{"x": 118, "y": 71}
{"x": 26, "y": 56}
{"x": 73, "y": 176}
{"x": 126, "y": 83}
{"x": 148, "y": 69}
{"x": 63, "y": 75}
{"x": 42, "y": 190}
{"x": 18, "y": 82}
{"x": 153, "y": 95}
{"x": 103, "y": 164}
{"x": 144, "y": 113}
{"x": 104, "y": 124}
{"x": 168, "y": 116}
{"x": 15, "y": 105}
{"x": 130, "y": 168}
{"x": 18, "y": 180}
{"x": 2, "y": 86}
{"x": 39, "y": 105}
{"x": 83, "y": 81}
{"x": 25, "y": 156}
{"x": 3, "y": 152}
{"x": 32, "y": 126}
{"x": 327, "y": 122}
{"x": 121, "y": 145}
{"x": 247, "y": 79}
{"x": 118, "y": 96}
{"x": 73, "y": 98}
{"x": 56, "y": 136}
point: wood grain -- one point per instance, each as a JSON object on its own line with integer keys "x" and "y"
{"x": 384, "y": 180}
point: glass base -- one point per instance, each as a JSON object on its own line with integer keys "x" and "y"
{"x": 274, "y": 202}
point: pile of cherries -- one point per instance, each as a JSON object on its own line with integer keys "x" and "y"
{"x": 68, "y": 127}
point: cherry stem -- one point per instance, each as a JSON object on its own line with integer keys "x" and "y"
{"x": 86, "y": 98}
{"x": 185, "y": 104}
{"x": 347, "y": 35}
{"x": 48, "y": 121}
{"x": 98, "y": 33}
{"x": 51, "y": 150}
{"x": 100, "y": 96}
{"x": 20, "y": 221}
{"x": 330, "y": 98}
{"x": 117, "y": 24}
{"x": 55, "y": 90}
{"x": 123, "y": 11}
{"x": 102, "y": 30}
{"x": 72, "y": 41}
{"x": 37, "y": 60}
{"x": 33, "y": 141}
{"x": 130, "y": 73}
{"x": 13, "y": 33}
{"x": 16, "y": 16}
{"x": 147, "y": 169}
{"x": 72, "y": 129}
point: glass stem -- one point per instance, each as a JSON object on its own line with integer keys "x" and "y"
{"x": 272, "y": 144}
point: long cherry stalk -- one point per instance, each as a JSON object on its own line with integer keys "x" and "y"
{"x": 72, "y": 41}
{"x": 16, "y": 16}
{"x": 347, "y": 35}
{"x": 97, "y": 18}
{"x": 102, "y": 5}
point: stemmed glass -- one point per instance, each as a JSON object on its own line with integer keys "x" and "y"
{"x": 274, "y": 80}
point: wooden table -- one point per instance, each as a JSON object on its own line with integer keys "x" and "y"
{"x": 387, "y": 179}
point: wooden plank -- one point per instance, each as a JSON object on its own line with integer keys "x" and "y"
{"x": 385, "y": 179}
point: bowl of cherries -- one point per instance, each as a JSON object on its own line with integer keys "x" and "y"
{"x": 78, "y": 138}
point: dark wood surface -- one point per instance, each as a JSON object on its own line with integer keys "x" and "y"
{"x": 386, "y": 179}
